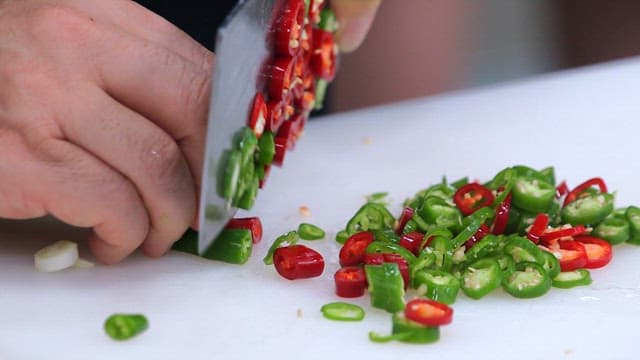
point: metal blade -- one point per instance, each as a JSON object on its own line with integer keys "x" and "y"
{"x": 241, "y": 53}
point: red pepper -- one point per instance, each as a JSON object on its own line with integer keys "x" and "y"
{"x": 353, "y": 251}
{"x": 599, "y": 252}
{"x": 562, "y": 190}
{"x": 277, "y": 113}
{"x": 538, "y": 227}
{"x": 267, "y": 169}
{"x": 258, "y": 117}
{"x": 282, "y": 78}
{"x": 373, "y": 259}
{"x": 412, "y": 242}
{"x": 483, "y": 231}
{"x": 502, "y": 216}
{"x": 298, "y": 262}
{"x": 572, "y": 255}
{"x": 472, "y": 197}
{"x": 288, "y": 28}
{"x": 573, "y": 194}
{"x": 252, "y": 223}
{"x": 286, "y": 133}
{"x": 407, "y": 214}
{"x": 428, "y": 312}
{"x": 281, "y": 150}
{"x": 550, "y": 236}
{"x": 315, "y": 7}
{"x": 297, "y": 124}
{"x": 323, "y": 57}
{"x": 350, "y": 281}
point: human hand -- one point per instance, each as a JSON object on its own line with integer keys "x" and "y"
{"x": 102, "y": 121}
{"x": 355, "y": 18}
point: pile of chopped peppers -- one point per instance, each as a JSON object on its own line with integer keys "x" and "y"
{"x": 520, "y": 232}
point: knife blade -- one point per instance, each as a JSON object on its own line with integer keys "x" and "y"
{"x": 242, "y": 49}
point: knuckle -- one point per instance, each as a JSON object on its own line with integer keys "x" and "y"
{"x": 56, "y": 22}
{"x": 196, "y": 92}
{"x": 163, "y": 161}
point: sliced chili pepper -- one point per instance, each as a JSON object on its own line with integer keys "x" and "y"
{"x": 287, "y": 134}
{"x": 575, "y": 193}
{"x": 533, "y": 194}
{"x": 409, "y": 331}
{"x": 483, "y": 231}
{"x": 231, "y": 174}
{"x": 386, "y": 235}
{"x": 320, "y": 93}
{"x": 328, "y": 21}
{"x": 412, "y": 242}
{"x": 290, "y": 238}
{"x": 562, "y": 190}
{"x": 422, "y": 263}
{"x": 588, "y": 210}
{"x": 277, "y": 113}
{"x": 572, "y": 255}
{"x": 258, "y": 116}
{"x": 308, "y": 231}
{"x": 481, "y": 278}
{"x": 373, "y": 259}
{"x": 439, "y": 285}
{"x": 538, "y": 227}
{"x": 298, "y": 262}
{"x": 231, "y": 246}
{"x": 437, "y": 211}
{"x": 488, "y": 246}
{"x": 250, "y": 193}
{"x": 529, "y": 280}
{"x": 252, "y": 224}
{"x": 288, "y": 27}
{"x": 521, "y": 249}
{"x": 323, "y": 56}
{"x": 371, "y": 216}
{"x": 342, "y": 311}
{"x": 281, "y": 78}
{"x": 471, "y": 197}
{"x": 550, "y": 236}
{"x": 598, "y": 251}
{"x": 385, "y": 286}
{"x": 428, "y": 312}
{"x": 353, "y": 251}
{"x": 281, "y": 150}
{"x": 315, "y": 7}
{"x": 502, "y": 216}
{"x": 632, "y": 214}
{"x": 475, "y": 221}
{"x": 551, "y": 263}
{"x": 125, "y": 326}
{"x": 407, "y": 214}
{"x": 350, "y": 281}
{"x": 403, "y": 266}
{"x": 267, "y": 170}
{"x": 443, "y": 250}
{"x": 569, "y": 279}
{"x": 614, "y": 230}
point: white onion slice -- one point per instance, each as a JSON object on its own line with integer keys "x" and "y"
{"x": 57, "y": 256}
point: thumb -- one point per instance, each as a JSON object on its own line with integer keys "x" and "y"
{"x": 355, "y": 18}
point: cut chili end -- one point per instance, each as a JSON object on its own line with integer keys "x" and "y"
{"x": 258, "y": 116}
{"x": 350, "y": 282}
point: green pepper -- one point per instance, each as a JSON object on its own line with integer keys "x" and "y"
{"x": 386, "y": 286}
{"x": 438, "y": 212}
{"x": 532, "y": 194}
{"x": 290, "y": 238}
{"x": 310, "y": 232}
{"x": 514, "y": 221}
{"x": 425, "y": 261}
{"x": 371, "y": 216}
{"x": 232, "y": 160}
{"x": 421, "y": 224}
{"x": 442, "y": 191}
{"x": 342, "y": 311}
{"x": 588, "y": 210}
{"x": 246, "y": 141}
{"x": 443, "y": 252}
{"x": 523, "y": 249}
{"x": 342, "y": 236}
{"x": 187, "y": 243}
{"x": 231, "y": 246}
{"x": 487, "y": 246}
{"x": 474, "y": 221}
{"x": 379, "y": 197}
{"x": 248, "y": 198}
{"x": 507, "y": 265}
{"x": 460, "y": 183}
{"x": 328, "y": 21}
{"x": 405, "y": 330}
{"x": 546, "y": 174}
{"x": 384, "y": 247}
{"x": 529, "y": 280}
{"x": 388, "y": 235}
{"x": 554, "y": 214}
{"x": 439, "y": 285}
{"x": 481, "y": 278}
{"x": 549, "y": 173}
{"x": 411, "y": 226}
{"x": 266, "y": 148}
{"x": 633, "y": 217}
{"x": 502, "y": 179}
{"x": 569, "y": 279}
{"x": 321, "y": 93}
{"x": 551, "y": 264}
{"x": 613, "y": 229}
{"x": 125, "y": 326}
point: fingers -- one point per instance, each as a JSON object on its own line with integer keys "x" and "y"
{"x": 82, "y": 191}
{"x": 144, "y": 154}
{"x": 355, "y": 18}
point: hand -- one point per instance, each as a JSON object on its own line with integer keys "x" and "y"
{"x": 355, "y": 18}
{"x": 102, "y": 121}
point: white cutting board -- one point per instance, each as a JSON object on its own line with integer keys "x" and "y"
{"x": 584, "y": 122}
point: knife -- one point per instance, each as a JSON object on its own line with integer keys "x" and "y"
{"x": 242, "y": 49}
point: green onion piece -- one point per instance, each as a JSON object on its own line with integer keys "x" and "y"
{"x": 290, "y": 238}
{"x": 125, "y": 326}
{"x": 342, "y": 311}
{"x": 310, "y": 232}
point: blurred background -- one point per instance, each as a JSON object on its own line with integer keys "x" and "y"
{"x": 425, "y": 47}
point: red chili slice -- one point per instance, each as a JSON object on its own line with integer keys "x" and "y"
{"x": 252, "y": 223}
{"x": 258, "y": 117}
{"x": 562, "y": 190}
{"x": 282, "y": 77}
{"x": 573, "y": 194}
{"x": 403, "y": 265}
{"x": 412, "y": 241}
{"x": 428, "y": 312}
{"x": 502, "y": 216}
{"x": 323, "y": 57}
{"x": 353, "y": 251}
{"x": 277, "y": 110}
{"x": 572, "y": 255}
{"x": 298, "y": 262}
{"x": 407, "y": 214}
{"x": 288, "y": 28}
{"x": 287, "y": 133}
{"x": 267, "y": 169}
{"x": 350, "y": 281}
{"x": 547, "y": 237}
{"x": 482, "y": 231}
{"x": 315, "y": 7}
{"x": 281, "y": 150}
{"x": 599, "y": 252}
{"x": 298, "y": 122}
{"x": 538, "y": 227}
{"x": 373, "y": 259}
{"x": 472, "y": 197}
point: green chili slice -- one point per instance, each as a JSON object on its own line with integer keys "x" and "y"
{"x": 475, "y": 220}
{"x": 439, "y": 285}
{"x": 481, "y": 278}
{"x": 266, "y": 148}
{"x": 533, "y": 194}
{"x": 342, "y": 311}
{"x": 379, "y": 197}
{"x": 125, "y": 326}
{"x": 529, "y": 280}
{"x": 523, "y": 249}
{"x": 342, "y": 236}
{"x": 588, "y": 210}
{"x": 232, "y": 246}
{"x": 308, "y": 231}
{"x": 614, "y": 230}
{"x": 412, "y": 332}
{"x": 551, "y": 264}
{"x": 386, "y": 286}
{"x": 371, "y": 216}
{"x": 569, "y": 279}
{"x": 290, "y": 238}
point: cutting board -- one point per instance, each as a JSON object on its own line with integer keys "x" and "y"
{"x": 584, "y": 122}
